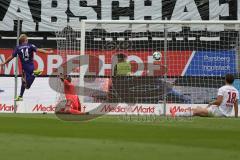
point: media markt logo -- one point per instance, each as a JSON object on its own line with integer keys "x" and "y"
{"x": 181, "y": 113}
{"x": 180, "y": 109}
{"x": 6, "y": 108}
{"x": 42, "y": 108}
{"x": 127, "y": 109}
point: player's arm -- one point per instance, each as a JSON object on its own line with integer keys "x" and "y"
{"x": 44, "y": 51}
{"x": 14, "y": 54}
{"x": 7, "y": 61}
{"x": 130, "y": 70}
{"x": 61, "y": 76}
{"x": 219, "y": 98}
{"x": 216, "y": 102}
{"x": 41, "y": 50}
{"x": 236, "y": 108}
{"x": 115, "y": 70}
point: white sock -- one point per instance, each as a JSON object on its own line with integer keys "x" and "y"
{"x": 184, "y": 114}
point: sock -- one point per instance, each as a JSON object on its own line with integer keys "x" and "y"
{"x": 22, "y": 90}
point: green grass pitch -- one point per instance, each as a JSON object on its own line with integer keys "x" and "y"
{"x": 40, "y": 137}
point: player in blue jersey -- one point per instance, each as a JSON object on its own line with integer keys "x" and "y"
{"x": 25, "y": 51}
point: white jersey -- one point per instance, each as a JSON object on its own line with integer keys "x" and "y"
{"x": 230, "y": 96}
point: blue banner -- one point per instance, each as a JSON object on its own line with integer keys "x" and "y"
{"x": 212, "y": 63}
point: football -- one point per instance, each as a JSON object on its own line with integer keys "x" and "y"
{"x": 157, "y": 56}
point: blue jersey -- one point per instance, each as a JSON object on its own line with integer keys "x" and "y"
{"x": 25, "y": 53}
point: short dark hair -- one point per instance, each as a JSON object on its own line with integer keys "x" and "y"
{"x": 69, "y": 79}
{"x": 121, "y": 57}
{"x": 229, "y": 78}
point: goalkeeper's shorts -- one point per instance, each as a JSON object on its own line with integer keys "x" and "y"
{"x": 73, "y": 102}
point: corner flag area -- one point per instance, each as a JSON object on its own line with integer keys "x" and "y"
{"x": 38, "y": 136}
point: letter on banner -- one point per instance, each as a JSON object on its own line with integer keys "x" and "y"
{"x": 154, "y": 11}
{"x": 25, "y": 15}
{"x": 53, "y": 62}
{"x": 53, "y": 18}
{"x": 185, "y": 10}
{"x": 82, "y": 11}
{"x": 215, "y": 11}
{"x": 107, "y": 15}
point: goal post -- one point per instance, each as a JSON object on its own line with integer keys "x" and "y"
{"x": 195, "y": 56}
{"x": 16, "y": 69}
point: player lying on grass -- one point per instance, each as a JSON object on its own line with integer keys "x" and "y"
{"x": 25, "y": 51}
{"x": 227, "y": 99}
{"x": 73, "y": 105}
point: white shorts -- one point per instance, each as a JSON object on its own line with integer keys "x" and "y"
{"x": 215, "y": 112}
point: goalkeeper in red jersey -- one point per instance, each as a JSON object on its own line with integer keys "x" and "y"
{"x": 73, "y": 105}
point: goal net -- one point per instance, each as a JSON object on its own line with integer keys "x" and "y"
{"x": 68, "y": 48}
{"x": 117, "y": 66}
